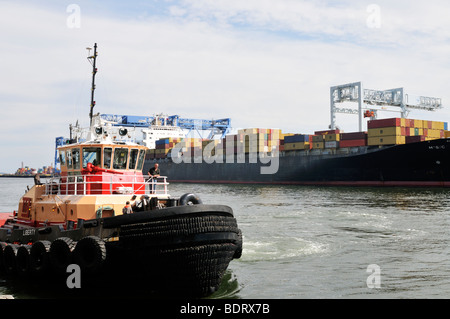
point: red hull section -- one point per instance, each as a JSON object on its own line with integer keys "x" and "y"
{"x": 4, "y": 217}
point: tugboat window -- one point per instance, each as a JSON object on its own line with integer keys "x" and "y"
{"x": 76, "y": 158}
{"x": 107, "y": 158}
{"x": 91, "y": 155}
{"x": 120, "y": 158}
{"x": 133, "y": 158}
{"x": 141, "y": 160}
{"x": 69, "y": 159}
{"x": 62, "y": 157}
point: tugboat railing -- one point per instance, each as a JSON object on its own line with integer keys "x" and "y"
{"x": 116, "y": 185}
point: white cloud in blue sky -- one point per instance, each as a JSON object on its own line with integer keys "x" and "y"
{"x": 263, "y": 63}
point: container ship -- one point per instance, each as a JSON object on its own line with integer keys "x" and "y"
{"x": 392, "y": 152}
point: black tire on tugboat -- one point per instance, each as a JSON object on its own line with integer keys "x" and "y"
{"x": 163, "y": 230}
{"x": 61, "y": 254}
{"x": 238, "y": 252}
{"x": 39, "y": 257}
{"x": 190, "y": 199}
{"x": 90, "y": 254}
{"x": 23, "y": 260}
{"x": 203, "y": 244}
{"x": 203, "y": 267}
{"x": 2, "y": 267}
{"x": 9, "y": 258}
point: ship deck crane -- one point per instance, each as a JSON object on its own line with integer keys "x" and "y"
{"x": 221, "y": 126}
{"x": 378, "y": 100}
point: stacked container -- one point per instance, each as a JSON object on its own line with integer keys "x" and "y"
{"x": 326, "y": 139}
{"x": 389, "y": 131}
{"x": 353, "y": 139}
{"x": 257, "y": 140}
{"x": 386, "y": 132}
{"x": 296, "y": 142}
{"x": 212, "y": 146}
{"x": 400, "y": 131}
{"x": 164, "y": 146}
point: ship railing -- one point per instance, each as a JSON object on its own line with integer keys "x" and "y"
{"x": 114, "y": 185}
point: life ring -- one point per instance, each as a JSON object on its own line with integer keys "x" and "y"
{"x": 61, "y": 253}
{"x": 90, "y": 254}
{"x": 9, "y": 258}
{"x": 23, "y": 259}
{"x": 190, "y": 199}
{"x": 39, "y": 260}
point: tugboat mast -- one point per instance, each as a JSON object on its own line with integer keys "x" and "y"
{"x": 94, "y": 72}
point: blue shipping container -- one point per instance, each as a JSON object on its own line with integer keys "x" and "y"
{"x": 298, "y": 138}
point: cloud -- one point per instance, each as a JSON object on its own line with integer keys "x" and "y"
{"x": 262, "y": 63}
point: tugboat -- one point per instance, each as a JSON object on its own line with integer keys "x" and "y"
{"x": 78, "y": 219}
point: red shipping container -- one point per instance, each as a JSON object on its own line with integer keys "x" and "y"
{"x": 353, "y": 136}
{"x": 353, "y": 143}
{"x": 414, "y": 139}
{"x": 384, "y": 123}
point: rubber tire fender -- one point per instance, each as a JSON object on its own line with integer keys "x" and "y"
{"x": 61, "y": 253}
{"x": 190, "y": 199}
{"x": 90, "y": 254}
{"x": 9, "y": 258}
{"x": 23, "y": 259}
{"x": 39, "y": 257}
{"x": 2, "y": 246}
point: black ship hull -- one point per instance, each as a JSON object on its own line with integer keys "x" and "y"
{"x": 417, "y": 164}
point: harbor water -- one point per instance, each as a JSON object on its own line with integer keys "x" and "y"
{"x": 318, "y": 242}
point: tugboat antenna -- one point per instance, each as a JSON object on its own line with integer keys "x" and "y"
{"x": 92, "y": 59}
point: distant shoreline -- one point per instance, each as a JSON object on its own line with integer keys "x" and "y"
{"x": 24, "y": 176}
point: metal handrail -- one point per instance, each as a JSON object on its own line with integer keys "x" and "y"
{"x": 122, "y": 185}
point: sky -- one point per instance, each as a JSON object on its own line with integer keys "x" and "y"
{"x": 262, "y": 63}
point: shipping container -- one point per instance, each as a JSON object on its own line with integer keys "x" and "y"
{"x": 318, "y": 145}
{"x": 332, "y": 144}
{"x": 353, "y": 136}
{"x": 398, "y": 122}
{"x": 317, "y": 138}
{"x": 386, "y": 140}
{"x": 414, "y": 139}
{"x": 386, "y": 131}
{"x": 353, "y": 143}
{"x": 437, "y": 125}
{"x": 434, "y": 133}
{"x": 332, "y": 137}
{"x": 296, "y": 146}
{"x": 296, "y": 138}
{"x": 418, "y": 123}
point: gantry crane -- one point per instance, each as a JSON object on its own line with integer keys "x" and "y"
{"x": 377, "y": 100}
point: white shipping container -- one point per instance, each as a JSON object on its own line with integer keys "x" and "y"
{"x": 332, "y": 144}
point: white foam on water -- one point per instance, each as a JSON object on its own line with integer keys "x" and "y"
{"x": 278, "y": 248}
